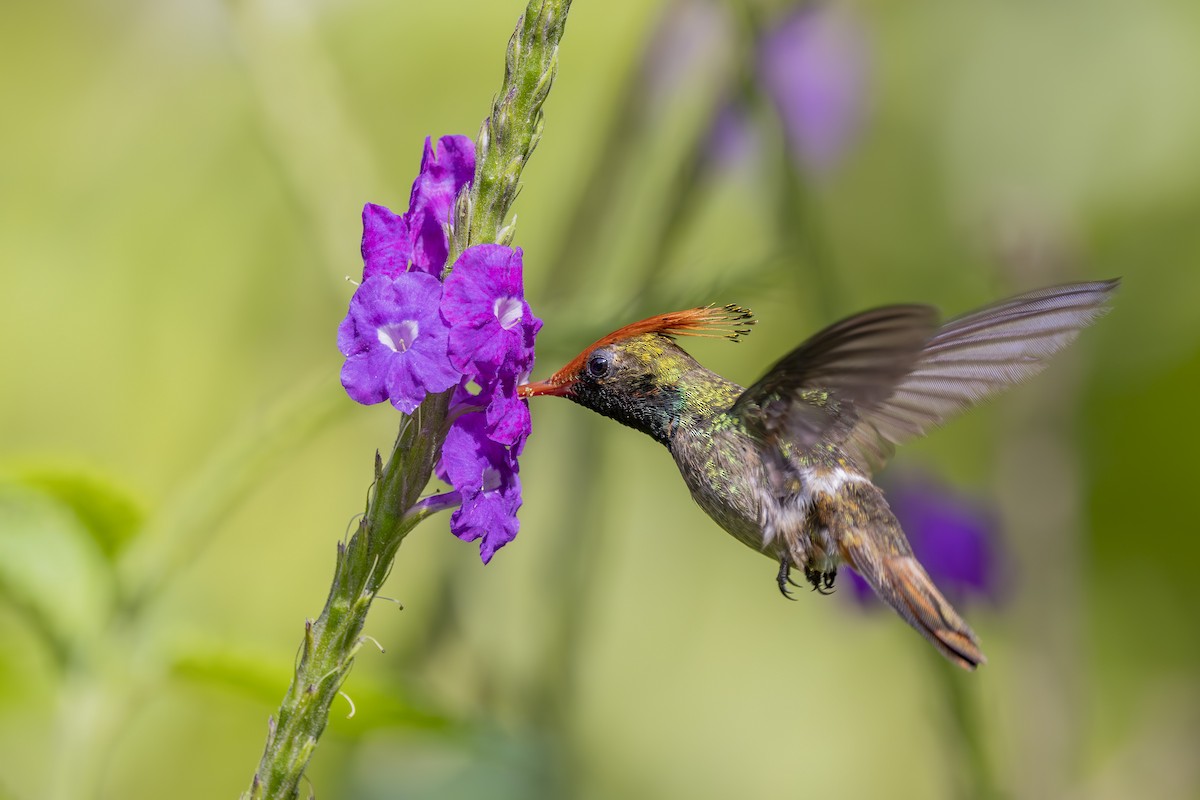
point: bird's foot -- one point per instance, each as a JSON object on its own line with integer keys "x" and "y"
{"x": 821, "y": 582}
{"x": 784, "y": 577}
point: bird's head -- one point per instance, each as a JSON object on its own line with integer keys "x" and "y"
{"x": 635, "y": 374}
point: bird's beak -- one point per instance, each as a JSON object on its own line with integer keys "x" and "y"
{"x": 550, "y": 387}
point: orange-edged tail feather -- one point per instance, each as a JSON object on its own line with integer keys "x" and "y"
{"x": 870, "y": 541}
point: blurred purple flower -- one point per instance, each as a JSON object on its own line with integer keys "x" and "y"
{"x": 484, "y": 474}
{"x": 688, "y": 39}
{"x": 813, "y": 66}
{"x": 951, "y": 534}
{"x": 732, "y": 136}
{"x": 395, "y": 342}
{"x": 395, "y": 243}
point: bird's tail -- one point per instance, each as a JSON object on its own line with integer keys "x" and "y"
{"x": 905, "y": 585}
{"x": 871, "y": 542}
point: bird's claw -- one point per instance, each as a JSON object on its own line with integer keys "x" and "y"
{"x": 784, "y": 577}
{"x": 821, "y": 582}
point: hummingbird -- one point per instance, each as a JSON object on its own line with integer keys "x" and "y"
{"x": 785, "y": 465}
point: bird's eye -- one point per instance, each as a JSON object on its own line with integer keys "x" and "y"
{"x": 597, "y": 365}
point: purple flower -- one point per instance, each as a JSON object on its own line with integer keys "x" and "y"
{"x": 688, "y": 39}
{"x": 443, "y": 175}
{"x": 484, "y": 473}
{"x": 492, "y": 334}
{"x": 386, "y": 242}
{"x": 394, "y": 337}
{"x": 732, "y": 137}
{"x": 395, "y": 341}
{"x": 506, "y": 415}
{"x": 392, "y": 244}
{"x": 407, "y": 335}
{"x": 952, "y": 535}
{"x": 490, "y": 322}
{"x": 813, "y": 67}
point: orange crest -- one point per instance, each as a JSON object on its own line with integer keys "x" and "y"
{"x": 712, "y": 322}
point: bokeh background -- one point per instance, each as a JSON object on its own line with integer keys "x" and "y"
{"x": 181, "y": 185}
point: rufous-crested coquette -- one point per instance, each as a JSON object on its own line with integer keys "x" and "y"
{"x": 785, "y": 465}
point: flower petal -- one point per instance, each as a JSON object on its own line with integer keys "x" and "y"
{"x": 508, "y": 420}
{"x": 461, "y": 464}
{"x": 361, "y": 381}
{"x": 398, "y": 340}
{"x": 443, "y": 175}
{"x": 387, "y": 242}
{"x": 491, "y": 517}
{"x": 490, "y": 322}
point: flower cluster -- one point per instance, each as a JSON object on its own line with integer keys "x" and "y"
{"x": 409, "y": 334}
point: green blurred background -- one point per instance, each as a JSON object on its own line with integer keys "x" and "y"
{"x": 181, "y": 186}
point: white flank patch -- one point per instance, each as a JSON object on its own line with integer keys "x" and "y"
{"x": 827, "y": 481}
{"x": 792, "y": 513}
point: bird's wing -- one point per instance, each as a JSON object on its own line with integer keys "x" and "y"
{"x": 973, "y": 357}
{"x": 821, "y": 389}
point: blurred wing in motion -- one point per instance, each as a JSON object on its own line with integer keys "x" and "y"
{"x": 975, "y": 356}
{"x": 828, "y": 382}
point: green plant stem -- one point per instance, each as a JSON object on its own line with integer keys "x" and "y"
{"x": 334, "y": 638}
{"x": 331, "y": 641}
{"x": 978, "y": 780}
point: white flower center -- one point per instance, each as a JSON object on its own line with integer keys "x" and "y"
{"x": 398, "y": 336}
{"x": 508, "y": 311}
{"x": 491, "y": 479}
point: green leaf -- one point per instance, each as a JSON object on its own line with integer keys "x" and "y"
{"x": 107, "y": 512}
{"x": 51, "y": 568}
